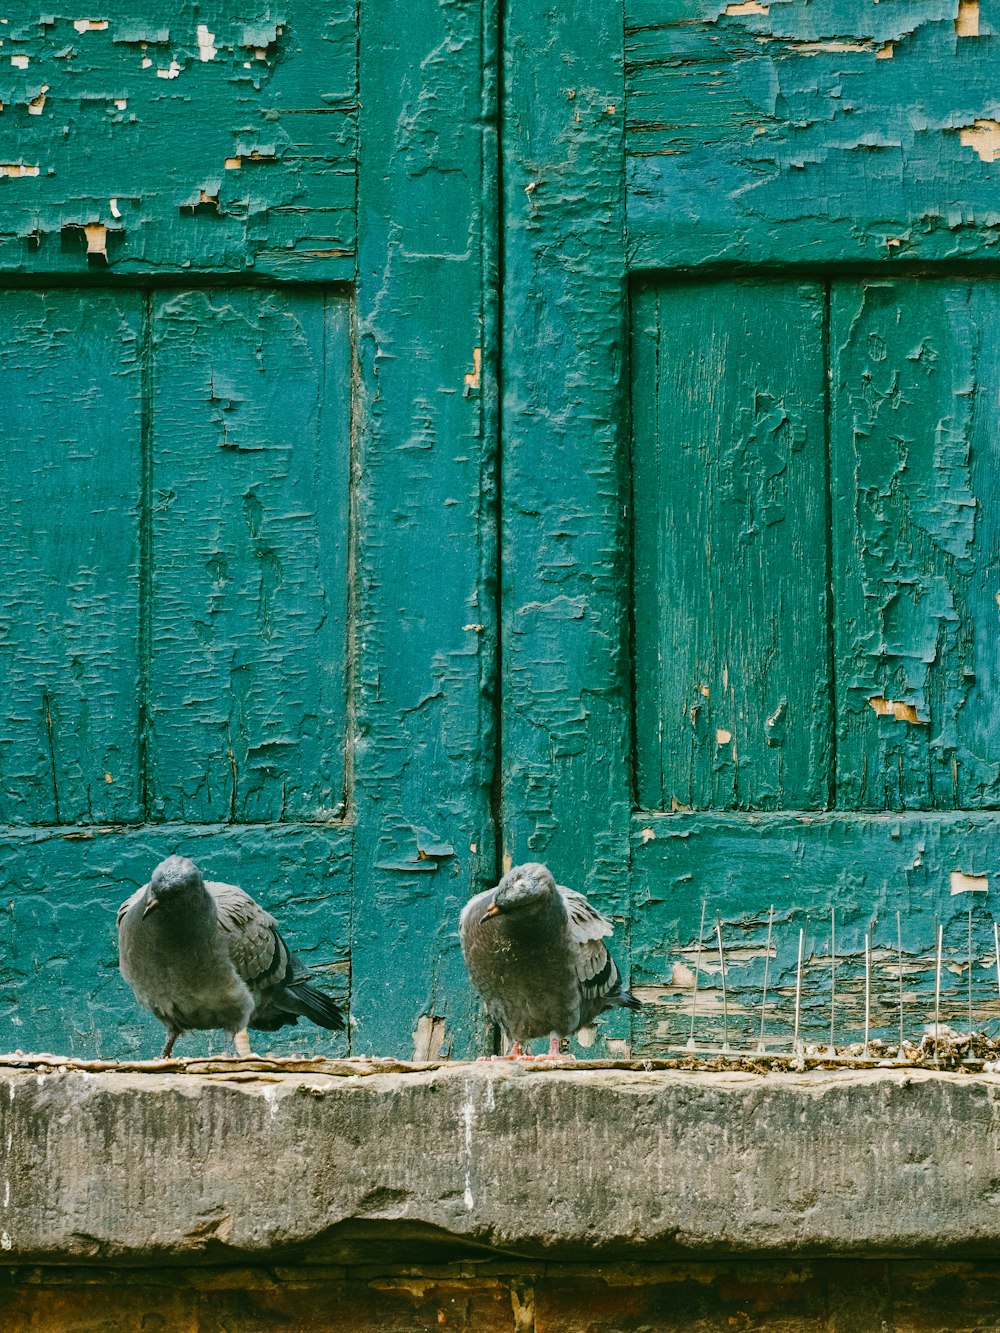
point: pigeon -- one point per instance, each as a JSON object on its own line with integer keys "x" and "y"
{"x": 205, "y": 955}
{"x": 535, "y": 952}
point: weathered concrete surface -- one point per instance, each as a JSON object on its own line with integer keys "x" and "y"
{"x": 609, "y": 1162}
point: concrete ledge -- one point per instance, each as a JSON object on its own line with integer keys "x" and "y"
{"x": 235, "y": 1162}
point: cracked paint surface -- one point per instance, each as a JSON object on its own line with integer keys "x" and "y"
{"x": 932, "y": 868}
{"x": 755, "y": 687}
{"x": 173, "y": 630}
{"x": 729, "y": 498}
{"x": 564, "y": 670}
{"x": 130, "y": 121}
{"x": 916, "y": 379}
{"x": 249, "y": 556}
{"x": 810, "y": 131}
{"x": 252, "y": 527}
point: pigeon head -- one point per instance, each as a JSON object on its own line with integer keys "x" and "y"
{"x": 173, "y": 880}
{"x": 523, "y": 891}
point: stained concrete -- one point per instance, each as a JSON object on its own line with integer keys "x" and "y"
{"x": 243, "y": 1163}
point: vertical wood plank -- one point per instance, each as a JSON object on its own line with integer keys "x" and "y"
{"x": 565, "y": 673}
{"x": 917, "y": 541}
{"x": 424, "y": 758}
{"x": 71, "y": 388}
{"x": 251, "y": 414}
{"x": 730, "y": 505}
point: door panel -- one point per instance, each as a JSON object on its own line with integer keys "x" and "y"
{"x": 913, "y": 393}
{"x": 60, "y": 888}
{"x": 71, "y": 385}
{"x": 916, "y": 379}
{"x": 735, "y": 868}
{"x": 152, "y": 144}
{"x": 732, "y": 700}
{"x": 251, "y": 421}
{"x": 796, "y": 132}
{"x": 297, "y": 448}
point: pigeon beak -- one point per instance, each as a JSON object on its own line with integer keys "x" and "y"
{"x": 492, "y": 910}
{"x": 150, "y": 905}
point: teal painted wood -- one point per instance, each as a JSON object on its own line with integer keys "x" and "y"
{"x": 795, "y": 132}
{"x": 70, "y": 471}
{"x": 251, "y": 421}
{"x": 867, "y": 867}
{"x": 733, "y": 690}
{"x": 60, "y": 888}
{"x": 565, "y": 671}
{"x": 423, "y": 761}
{"x": 182, "y": 141}
{"x": 916, "y": 458}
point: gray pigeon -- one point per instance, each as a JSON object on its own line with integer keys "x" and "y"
{"x": 204, "y": 955}
{"x": 536, "y": 954}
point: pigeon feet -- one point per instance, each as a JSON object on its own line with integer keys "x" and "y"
{"x": 168, "y": 1048}
{"x": 242, "y": 1043}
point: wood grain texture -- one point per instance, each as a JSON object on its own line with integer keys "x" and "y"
{"x": 251, "y": 421}
{"x": 916, "y": 379}
{"x": 796, "y": 132}
{"x": 867, "y": 867}
{"x": 565, "y": 676}
{"x": 60, "y": 989}
{"x": 423, "y": 763}
{"x": 71, "y": 387}
{"x": 191, "y": 140}
{"x": 733, "y": 706}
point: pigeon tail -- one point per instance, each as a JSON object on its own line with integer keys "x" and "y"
{"x": 301, "y": 997}
{"x": 627, "y": 1000}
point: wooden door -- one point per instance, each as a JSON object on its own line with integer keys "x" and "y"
{"x": 244, "y": 610}
{"x": 750, "y": 579}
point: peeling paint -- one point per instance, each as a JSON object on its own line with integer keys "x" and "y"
{"x": 983, "y": 137}
{"x": 962, "y": 883}
{"x": 97, "y": 239}
{"x": 207, "y": 49}
{"x": 967, "y": 20}
{"x": 430, "y": 1038}
{"x": 472, "y": 377}
{"x": 902, "y": 712}
{"x": 835, "y": 160}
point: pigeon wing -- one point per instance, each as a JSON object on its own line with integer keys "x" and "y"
{"x": 596, "y": 972}
{"x": 259, "y": 954}
{"x": 133, "y": 898}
